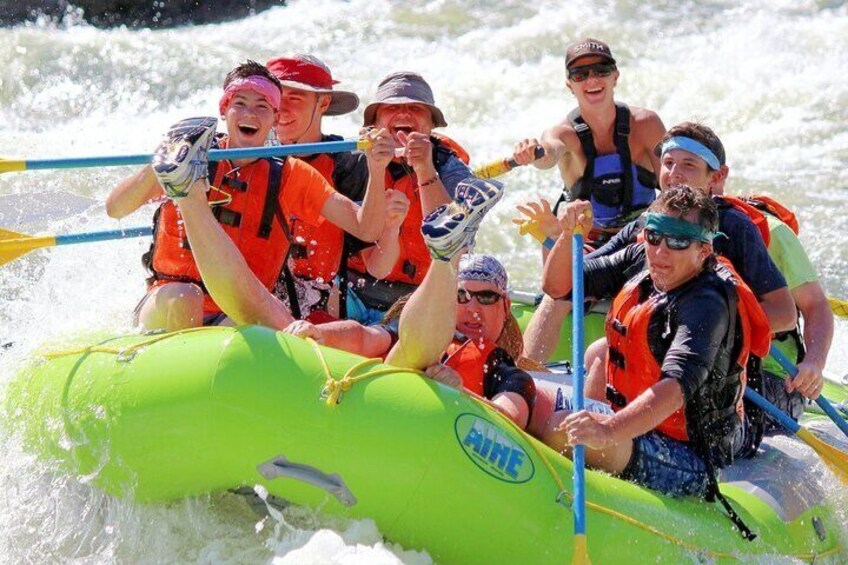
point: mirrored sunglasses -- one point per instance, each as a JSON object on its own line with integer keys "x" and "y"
{"x": 579, "y": 74}
{"x": 674, "y": 242}
{"x": 484, "y": 297}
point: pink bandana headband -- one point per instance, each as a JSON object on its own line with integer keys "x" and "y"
{"x": 257, "y": 84}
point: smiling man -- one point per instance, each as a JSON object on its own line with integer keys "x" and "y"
{"x": 680, "y": 330}
{"x": 427, "y": 170}
{"x": 319, "y": 253}
{"x": 253, "y": 202}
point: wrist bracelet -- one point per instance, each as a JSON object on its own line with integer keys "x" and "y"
{"x": 428, "y": 182}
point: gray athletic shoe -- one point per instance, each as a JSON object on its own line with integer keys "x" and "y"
{"x": 452, "y": 227}
{"x": 182, "y": 156}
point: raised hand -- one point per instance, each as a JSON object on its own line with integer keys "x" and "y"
{"x": 524, "y": 152}
{"x": 419, "y": 152}
{"x": 541, "y": 214}
{"x": 397, "y": 206}
{"x": 444, "y": 374}
{"x": 382, "y": 148}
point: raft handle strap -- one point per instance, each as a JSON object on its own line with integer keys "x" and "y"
{"x": 280, "y": 466}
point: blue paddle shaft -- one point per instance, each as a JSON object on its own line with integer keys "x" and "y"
{"x": 577, "y": 380}
{"x": 772, "y": 410}
{"x": 73, "y": 238}
{"x": 823, "y": 402}
{"x": 214, "y": 155}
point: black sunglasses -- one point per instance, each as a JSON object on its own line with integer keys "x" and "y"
{"x": 675, "y": 242}
{"x": 579, "y": 74}
{"x": 484, "y": 297}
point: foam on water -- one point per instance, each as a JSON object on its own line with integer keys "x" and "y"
{"x": 769, "y": 76}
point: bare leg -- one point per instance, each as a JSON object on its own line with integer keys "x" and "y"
{"x": 596, "y": 365}
{"x": 428, "y": 321}
{"x": 171, "y": 307}
{"x": 542, "y": 334}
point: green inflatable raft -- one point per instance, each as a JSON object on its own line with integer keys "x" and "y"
{"x": 162, "y": 417}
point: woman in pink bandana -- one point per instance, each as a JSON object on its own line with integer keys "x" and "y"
{"x": 252, "y": 201}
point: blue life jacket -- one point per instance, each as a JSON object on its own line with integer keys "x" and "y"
{"x": 617, "y": 188}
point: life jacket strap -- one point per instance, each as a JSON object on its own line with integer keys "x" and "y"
{"x": 622, "y": 144}
{"x": 713, "y": 494}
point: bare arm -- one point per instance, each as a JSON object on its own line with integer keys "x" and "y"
{"x": 365, "y": 222}
{"x": 780, "y": 310}
{"x": 647, "y": 411}
{"x": 224, "y": 270}
{"x": 651, "y": 131}
{"x": 419, "y": 155}
{"x": 346, "y": 335}
{"x": 553, "y": 141}
{"x": 818, "y": 336}
{"x": 382, "y": 257}
{"x": 133, "y": 192}
{"x": 556, "y": 277}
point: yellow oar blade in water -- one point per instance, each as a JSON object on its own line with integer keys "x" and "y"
{"x": 835, "y": 459}
{"x": 14, "y": 244}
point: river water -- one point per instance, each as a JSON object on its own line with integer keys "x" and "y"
{"x": 770, "y": 76}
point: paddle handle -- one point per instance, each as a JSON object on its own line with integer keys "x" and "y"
{"x": 71, "y": 239}
{"x": 503, "y": 166}
{"x": 823, "y": 402}
{"x": 577, "y": 390}
{"x": 214, "y": 155}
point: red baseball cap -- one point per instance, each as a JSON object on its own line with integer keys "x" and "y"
{"x": 307, "y": 72}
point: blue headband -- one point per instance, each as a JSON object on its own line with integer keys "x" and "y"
{"x": 694, "y": 147}
{"x": 669, "y": 225}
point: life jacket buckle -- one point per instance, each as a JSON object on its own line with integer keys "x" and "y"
{"x": 615, "y": 397}
{"x": 409, "y": 269}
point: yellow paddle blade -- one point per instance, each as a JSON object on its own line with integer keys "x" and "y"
{"x": 493, "y": 169}
{"x": 839, "y": 307}
{"x": 836, "y": 459}
{"x": 14, "y": 245}
{"x": 12, "y": 165}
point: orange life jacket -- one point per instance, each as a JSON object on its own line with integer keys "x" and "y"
{"x": 414, "y": 260}
{"x": 631, "y": 366}
{"x": 755, "y": 215}
{"x": 317, "y": 250}
{"x": 775, "y": 208}
{"x": 469, "y": 358}
{"x": 253, "y": 220}
{"x": 755, "y": 206}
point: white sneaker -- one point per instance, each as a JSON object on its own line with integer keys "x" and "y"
{"x": 452, "y": 227}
